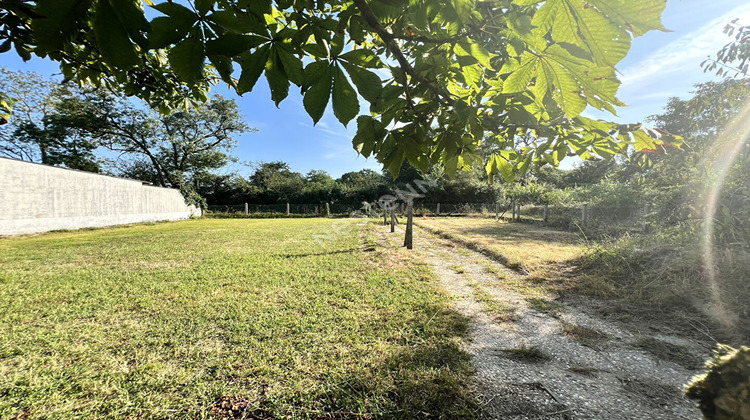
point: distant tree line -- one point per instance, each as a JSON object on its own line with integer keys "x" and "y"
{"x": 61, "y": 124}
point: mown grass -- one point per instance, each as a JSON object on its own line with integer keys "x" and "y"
{"x": 185, "y": 319}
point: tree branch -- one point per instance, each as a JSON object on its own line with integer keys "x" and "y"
{"x": 394, "y": 49}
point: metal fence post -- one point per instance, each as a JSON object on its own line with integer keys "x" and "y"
{"x": 328, "y": 210}
{"x": 546, "y": 209}
{"x": 247, "y": 209}
{"x": 288, "y": 210}
{"x": 513, "y": 205}
{"x": 393, "y": 220}
{"x": 438, "y": 209}
{"x": 497, "y": 211}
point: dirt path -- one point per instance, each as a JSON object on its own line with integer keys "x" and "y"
{"x": 541, "y": 358}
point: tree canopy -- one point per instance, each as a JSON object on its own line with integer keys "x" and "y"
{"x": 39, "y": 131}
{"x": 439, "y": 77}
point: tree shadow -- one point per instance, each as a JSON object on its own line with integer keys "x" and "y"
{"x": 317, "y": 254}
{"x": 429, "y": 377}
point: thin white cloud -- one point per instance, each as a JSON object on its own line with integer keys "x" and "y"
{"x": 686, "y": 51}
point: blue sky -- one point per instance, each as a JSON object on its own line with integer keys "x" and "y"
{"x": 659, "y": 66}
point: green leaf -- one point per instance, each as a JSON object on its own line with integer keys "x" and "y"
{"x": 500, "y": 165}
{"x": 345, "y": 103}
{"x": 292, "y": 66}
{"x": 240, "y": 24}
{"x": 368, "y": 84}
{"x": 369, "y": 132}
{"x": 278, "y": 81}
{"x": 176, "y": 11}
{"x": 337, "y": 44}
{"x": 363, "y": 58}
{"x": 203, "y": 6}
{"x": 638, "y": 16}
{"x": 598, "y": 84}
{"x": 463, "y": 9}
{"x": 316, "y": 97}
{"x": 468, "y": 47}
{"x": 472, "y": 75}
{"x": 58, "y": 22}
{"x": 451, "y": 165}
{"x": 133, "y": 20}
{"x": 608, "y": 43}
{"x": 545, "y": 16}
{"x": 252, "y": 67}
{"x": 257, "y": 7}
{"x": 224, "y": 67}
{"x": 166, "y": 31}
{"x": 520, "y": 78}
{"x": 394, "y": 158}
{"x": 565, "y": 90}
{"x": 232, "y": 44}
{"x": 187, "y": 58}
{"x": 112, "y": 37}
{"x": 315, "y": 71}
{"x": 643, "y": 142}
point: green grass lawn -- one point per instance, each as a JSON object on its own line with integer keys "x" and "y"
{"x": 212, "y": 317}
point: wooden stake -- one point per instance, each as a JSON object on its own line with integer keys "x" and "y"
{"x": 409, "y": 215}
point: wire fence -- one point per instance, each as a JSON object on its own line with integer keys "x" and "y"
{"x": 573, "y": 216}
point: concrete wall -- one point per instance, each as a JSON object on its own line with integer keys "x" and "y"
{"x": 38, "y": 198}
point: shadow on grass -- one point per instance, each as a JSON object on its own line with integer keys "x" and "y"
{"x": 315, "y": 254}
{"x": 426, "y": 375}
{"x": 429, "y": 378}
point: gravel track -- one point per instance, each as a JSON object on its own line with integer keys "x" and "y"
{"x": 591, "y": 366}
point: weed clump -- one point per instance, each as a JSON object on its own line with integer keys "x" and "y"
{"x": 531, "y": 354}
{"x": 723, "y": 393}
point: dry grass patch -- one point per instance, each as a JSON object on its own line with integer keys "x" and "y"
{"x": 524, "y": 247}
{"x": 584, "y": 335}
